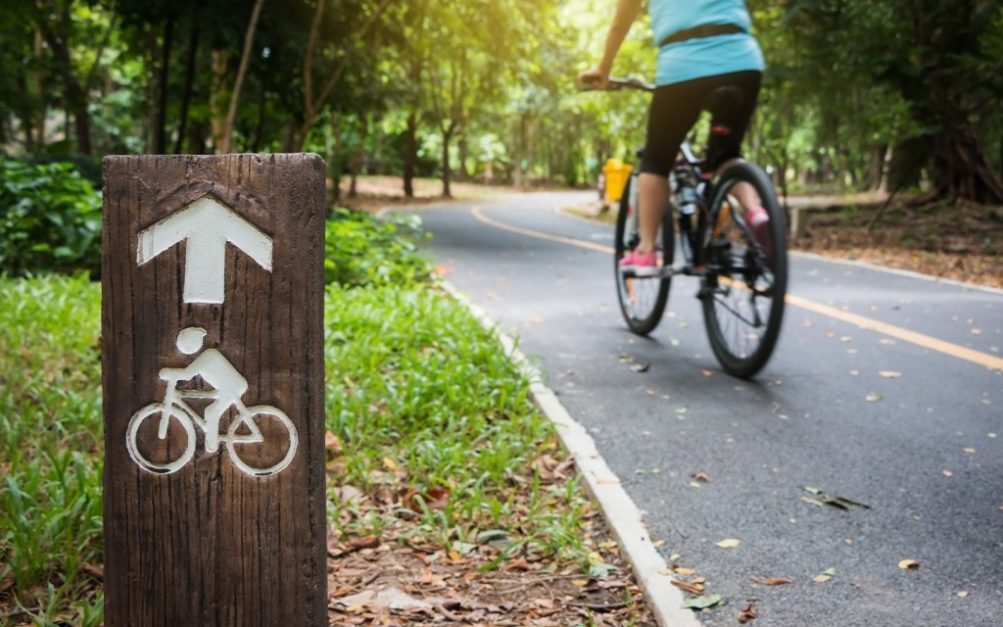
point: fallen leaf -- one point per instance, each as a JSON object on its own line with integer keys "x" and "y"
{"x": 682, "y": 570}
{"x": 962, "y": 593}
{"x": 873, "y": 397}
{"x": 699, "y": 476}
{"x": 520, "y": 564}
{"x": 947, "y": 473}
{"x": 389, "y": 464}
{"x": 640, "y": 367}
{"x": 969, "y": 450}
{"x": 909, "y": 565}
{"x": 692, "y": 588}
{"x": 332, "y": 443}
{"x": 390, "y": 597}
{"x": 976, "y": 331}
{"x": 707, "y": 373}
{"x": 702, "y": 602}
{"x": 820, "y": 497}
{"x": 825, "y": 575}
{"x": 890, "y": 374}
{"x": 749, "y": 613}
{"x": 772, "y": 581}
{"x": 94, "y": 570}
{"x": 728, "y": 543}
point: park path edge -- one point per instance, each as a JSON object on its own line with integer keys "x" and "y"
{"x": 619, "y": 510}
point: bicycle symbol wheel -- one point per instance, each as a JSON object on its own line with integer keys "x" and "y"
{"x": 175, "y": 456}
{"x": 277, "y": 424}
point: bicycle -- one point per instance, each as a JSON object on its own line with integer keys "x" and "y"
{"x": 174, "y": 406}
{"x": 742, "y": 282}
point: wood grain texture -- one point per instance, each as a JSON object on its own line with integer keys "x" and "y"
{"x": 209, "y": 545}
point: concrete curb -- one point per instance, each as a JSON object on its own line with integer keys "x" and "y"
{"x": 912, "y": 274}
{"x": 620, "y": 512}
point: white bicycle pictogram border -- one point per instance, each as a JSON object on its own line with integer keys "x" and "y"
{"x": 174, "y": 406}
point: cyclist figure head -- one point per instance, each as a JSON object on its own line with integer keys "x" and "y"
{"x": 190, "y": 340}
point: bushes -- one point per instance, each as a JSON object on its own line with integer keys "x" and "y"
{"x": 50, "y": 219}
{"x": 361, "y": 250}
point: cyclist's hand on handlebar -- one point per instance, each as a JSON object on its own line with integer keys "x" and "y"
{"x": 593, "y": 78}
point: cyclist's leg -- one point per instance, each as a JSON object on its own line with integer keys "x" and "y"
{"x": 729, "y": 122}
{"x": 674, "y": 110}
{"x": 212, "y": 414}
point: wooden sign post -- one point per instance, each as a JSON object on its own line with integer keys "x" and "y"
{"x": 213, "y": 378}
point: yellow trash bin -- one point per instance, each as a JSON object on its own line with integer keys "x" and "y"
{"x": 616, "y": 173}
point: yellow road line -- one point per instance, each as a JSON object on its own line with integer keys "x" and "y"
{"x": 870, "y": 324}
{"x": 477, "y": 213}
{"x": 919, "y": 339}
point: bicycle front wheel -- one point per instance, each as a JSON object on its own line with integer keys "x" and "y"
{"x": 744, "y": 289}
{"x": 642, "y": 299}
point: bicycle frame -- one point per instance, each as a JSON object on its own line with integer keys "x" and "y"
{"x": 173, "y": 397}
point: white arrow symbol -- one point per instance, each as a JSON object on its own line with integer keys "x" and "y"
{"x": 206, "y": 225}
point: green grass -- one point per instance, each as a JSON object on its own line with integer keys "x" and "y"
{"x": 424, "y": 401}
{"x": 427, "y": 409}
{"x": 50, "y": 445}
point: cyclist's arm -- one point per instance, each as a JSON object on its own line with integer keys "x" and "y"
{"x": 626, "y": 12}
{"x": 177, "y": 374}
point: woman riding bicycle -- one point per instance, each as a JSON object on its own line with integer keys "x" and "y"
{"x": 703, "y": 45}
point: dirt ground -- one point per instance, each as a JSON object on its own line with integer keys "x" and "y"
{"x": 964, "y": 243}
{"x": 403, "y": 582}
{"x": 375, "y": 192}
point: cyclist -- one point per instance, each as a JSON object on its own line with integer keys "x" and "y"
{"x": 702, "y": 45}
{"x": 217, "y": 371}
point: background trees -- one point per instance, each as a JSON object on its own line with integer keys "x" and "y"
{"x": 858, "y": 95}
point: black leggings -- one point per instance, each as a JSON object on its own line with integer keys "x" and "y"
{"x": 675, "y": 109}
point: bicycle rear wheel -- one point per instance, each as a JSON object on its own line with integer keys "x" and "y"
{"x": 744, "y": 289}
{"x": 642, "y": 299}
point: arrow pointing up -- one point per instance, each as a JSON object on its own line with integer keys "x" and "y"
{"x": 206, "y": 225}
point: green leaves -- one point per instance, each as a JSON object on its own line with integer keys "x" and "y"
{"x": 702, "y": 602}
{"x": 361, "y": 250}
{"x": 50, "y": 219}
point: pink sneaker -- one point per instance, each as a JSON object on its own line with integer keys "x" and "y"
{"x": 759, "y": 221}
{"x": 641, "y": 264}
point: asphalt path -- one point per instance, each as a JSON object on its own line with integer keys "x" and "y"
{"x": 906, "y": 419}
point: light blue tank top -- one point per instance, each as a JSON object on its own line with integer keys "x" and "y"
{"x": 703, "y": 56}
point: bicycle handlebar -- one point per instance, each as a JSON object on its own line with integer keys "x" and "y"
{"x": 617, "y": 84}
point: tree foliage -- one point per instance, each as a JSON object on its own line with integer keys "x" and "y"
{"x": 858, "y": 94}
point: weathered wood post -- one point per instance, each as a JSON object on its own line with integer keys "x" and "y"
{"x": 213, "y": 378}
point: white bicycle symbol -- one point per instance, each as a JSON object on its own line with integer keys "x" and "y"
{"x": 230, "y": 386}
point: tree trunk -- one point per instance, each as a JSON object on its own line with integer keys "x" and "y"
{"x": 464, "y": 153}
{"x": 358, "y": 154}
{"x": 217, "y": 106}
{"x": 335, "y": 163}
{"x": 186, "y": 95}
{"x": 259, "y": 126}
{"x": 160, "y": 120}
{"x": 410, "y": 153}
{"x": 238, "y": 83}
{"x": 876, "y": 167}
{"x": 40, "y": 87}
{"x": 76, "y": 97}
{"x": 447, "y": 133}
{"x": 961, "y": 169}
